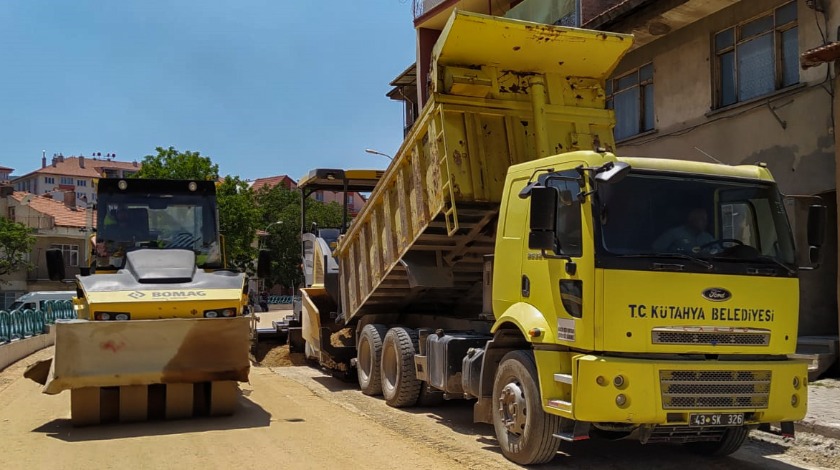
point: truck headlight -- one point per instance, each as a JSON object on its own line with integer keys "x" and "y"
{"x": 211, "y": 314}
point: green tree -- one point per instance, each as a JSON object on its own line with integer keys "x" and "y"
{"x": 238, "y": 221}
{"x": 238, "y": 216}
{"x": 174, "y": 165}
{"x": 280, "y": 208}
{"x": 16, "y": 242}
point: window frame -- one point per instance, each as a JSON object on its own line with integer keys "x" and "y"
{"x": 645, "y": 86}
{"x": 776, "y": 31}
{"x": 67, "y": 252}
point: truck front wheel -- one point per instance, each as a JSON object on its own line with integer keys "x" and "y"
{"x": 369, "y": 353}
{"x": 524, "y": 431}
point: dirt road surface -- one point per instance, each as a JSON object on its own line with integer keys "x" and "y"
{"x": 297, "y": 417}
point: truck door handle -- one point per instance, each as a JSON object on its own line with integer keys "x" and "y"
{"x": 526, "y": 286}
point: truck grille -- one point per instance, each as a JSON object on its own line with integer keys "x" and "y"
{"x": 714, "y": 389}
{"x": 714, "y": 337}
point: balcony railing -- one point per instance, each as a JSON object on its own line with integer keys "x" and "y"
{"x": 422, "y": 6}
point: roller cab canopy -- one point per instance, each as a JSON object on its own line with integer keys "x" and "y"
{"x": 361, "y": 181}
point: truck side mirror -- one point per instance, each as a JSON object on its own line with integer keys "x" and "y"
{"x": 264, "y": 264}
{"x": 55, "y": 265}
{"x": 543, "y": 218}
{"x": 816, "y": 225}
{"x": 816, "y": 231}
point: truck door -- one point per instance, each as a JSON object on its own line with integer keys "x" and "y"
{"x": 558, "y": 286}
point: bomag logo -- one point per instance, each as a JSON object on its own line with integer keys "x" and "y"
{"x": 173, "y": 294}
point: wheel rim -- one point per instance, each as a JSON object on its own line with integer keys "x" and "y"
{"x": 389, "y": 368}
{"x": 512, "y": 408}
{"x": 365, "y": 362}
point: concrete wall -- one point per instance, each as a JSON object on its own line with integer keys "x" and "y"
{"x": 18, "y": 349}
{"x": 799, "y": 151}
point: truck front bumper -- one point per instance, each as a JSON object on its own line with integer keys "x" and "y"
{"x": 663, "y": 392}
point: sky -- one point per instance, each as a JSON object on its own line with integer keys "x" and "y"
{"x": 263, "y": 87}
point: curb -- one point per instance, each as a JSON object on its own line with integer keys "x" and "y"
{"x": 817, "y": 428}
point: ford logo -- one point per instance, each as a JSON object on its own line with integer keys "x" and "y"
{"x": 717, "y": 294}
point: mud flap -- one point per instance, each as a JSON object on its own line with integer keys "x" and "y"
{"x": 143, "y": 352}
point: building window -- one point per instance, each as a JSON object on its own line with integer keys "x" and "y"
{"x": 49, "y": 179}
{"x": 631, "y": 96}
{"x": 66, "y": 180}
{"x": 757, "y": 57}
{"x": 70, "y": 252}
{"x": 319, "y": 196}
{"x": 81, "y": 183}
{"x": 349, "y": 199}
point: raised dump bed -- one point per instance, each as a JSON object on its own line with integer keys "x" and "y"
{"x": 503, "y": 92}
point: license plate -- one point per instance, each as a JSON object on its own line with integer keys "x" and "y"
{"x": 716, "y": 419}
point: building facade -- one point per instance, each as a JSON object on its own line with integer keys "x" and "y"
{"x": 76, "y": 174}
{"x": 55, "y": 225}
{"x": 721, "y": 81}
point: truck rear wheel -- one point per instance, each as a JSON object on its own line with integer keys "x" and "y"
{"x": 524, "y": 431}
{"x": 369, "y": 357}
{"x": 731, "y": 441}
{"x": 400, "y": 385}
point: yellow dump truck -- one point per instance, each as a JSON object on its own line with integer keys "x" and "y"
{"x": 508, "y": 256}
{"x": 160, "y": 331}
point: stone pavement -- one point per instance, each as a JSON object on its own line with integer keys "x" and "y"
{"x": 823, "y": 409}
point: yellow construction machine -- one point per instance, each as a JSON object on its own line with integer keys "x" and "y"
{"x": 160, "y": 331}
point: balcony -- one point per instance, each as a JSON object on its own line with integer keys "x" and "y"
{"x": 432, "y": 14}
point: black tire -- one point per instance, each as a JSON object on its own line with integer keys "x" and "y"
{"x": 400, "y": 386}
{"x": 526, "y": 436}
{"x": 731, "y": 441}
{"x": 369, "y": 353}
{"x": 429, "y": 396}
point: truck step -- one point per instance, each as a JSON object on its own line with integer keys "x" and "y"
{"x": 129, "y": 403}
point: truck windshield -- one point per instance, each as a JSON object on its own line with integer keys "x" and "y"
{"x": 705, "y": 218}
{"x": 132, "y": 221}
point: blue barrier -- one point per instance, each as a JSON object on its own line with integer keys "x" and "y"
{"x": 281, "y": 299}
{"x": 19, "y": 324}
{"x": 59, "y": 310}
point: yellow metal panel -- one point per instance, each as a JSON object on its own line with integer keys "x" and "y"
{"x": 741, "y": 171}
{"x": 474, "y": 39}
{"x": 136, "y": 352}
{"x": 165, "y": 295}
{"x": 310, "y": 320}
{"x": 596, "y": 402}
{"x": 526, "y": 317}
{"x": 633, "y": 309}
{"x": 499, "y": 88}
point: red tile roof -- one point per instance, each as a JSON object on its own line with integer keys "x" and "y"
{"x": 63, "y": 215}
{"x": 71, "y": 166}
{"x": 272, "y": 181}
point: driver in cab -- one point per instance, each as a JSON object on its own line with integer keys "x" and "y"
{"x": 689, "y": 237}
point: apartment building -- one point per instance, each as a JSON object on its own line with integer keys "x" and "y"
{"x": 77, "y": 174}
